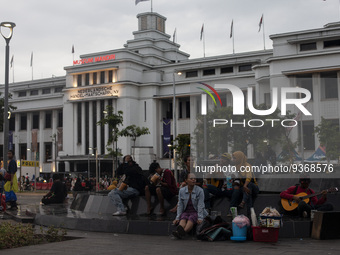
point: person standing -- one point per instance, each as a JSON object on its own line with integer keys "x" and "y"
{"x": 11, "y": 186}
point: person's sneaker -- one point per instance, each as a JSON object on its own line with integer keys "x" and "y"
{"x": 181, "y": 231}
{"x": 118, "y": 213}
{"x": 176, "y": 234}
{"x": 305, "y": 214}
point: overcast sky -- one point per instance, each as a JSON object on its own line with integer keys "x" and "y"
{"x": 49, "y": 28}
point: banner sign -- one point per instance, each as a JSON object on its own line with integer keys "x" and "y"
{"x": 166, "y": 136}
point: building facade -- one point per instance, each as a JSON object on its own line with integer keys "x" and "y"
{"x": 59, "y": 115}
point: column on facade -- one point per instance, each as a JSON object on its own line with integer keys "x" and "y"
{"x": 54, "y": 139}
{"x": 75, "y": 127}
{"x": 106, "y": 129}
{"x": 91, "y": 145}
{"x": 98, "y": 128}
{"x": 29, "y": 135}
{"x": 42, "y": 116}
{"x": 17, "y": 137}
{"x": 83, "y": 144}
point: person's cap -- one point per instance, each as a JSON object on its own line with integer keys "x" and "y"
{"x": 226, "y": 156}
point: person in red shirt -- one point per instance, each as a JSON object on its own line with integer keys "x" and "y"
{"x": 304, "y": 209}
{"x": 163, "y": 187}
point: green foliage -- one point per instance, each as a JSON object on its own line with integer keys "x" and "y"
{"x": 134, "y": 132}
{"x": 329, "y": 136}
{"x": 17, "y": 235}
{"x": 10, "y": 108}
{"x": 182, "y": 147}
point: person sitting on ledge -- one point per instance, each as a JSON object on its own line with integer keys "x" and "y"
{"x": 303, "y": 209}
{"x": 190, "y": 210}
{"x": 57, "y": 193}
{"x": 131, "y": 185}
{"x": 162, "y": 184}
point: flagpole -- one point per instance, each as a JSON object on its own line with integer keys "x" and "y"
{"x": 264, "y": 38}
{"x": 203, "y": 44}
{"x": 232, "y": 34}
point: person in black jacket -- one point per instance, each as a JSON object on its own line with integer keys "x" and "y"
{"x": 131, "y": 184}
{"x": 58, "y": 192}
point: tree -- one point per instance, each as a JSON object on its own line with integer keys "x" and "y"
{"x": 113, "y": 120}
{"x": 134, "y": 132}
{"x": 182, "y": 148}
{"x": 329, "y": 136}
{"x": 10, "y": 108}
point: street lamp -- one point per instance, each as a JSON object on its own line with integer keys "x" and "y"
{"x": 174, "y": 118}
{"x": 10, "y": 26}
{"x": 169, "y": 146}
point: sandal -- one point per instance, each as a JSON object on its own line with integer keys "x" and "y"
{"x": 151, "y": 211}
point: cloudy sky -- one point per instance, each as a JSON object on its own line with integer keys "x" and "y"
{"x": 49, "y": 28}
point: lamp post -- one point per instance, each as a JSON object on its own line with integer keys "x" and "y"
{"x": 174, "y": 119}
{"x": 10, "y": 26}
{"x": 169, "y": 146}
{"x": 88, "y": 164}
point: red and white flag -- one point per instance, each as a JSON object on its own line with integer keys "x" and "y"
{"x": 260, "y": 23}
{"x": 202, "y": 31}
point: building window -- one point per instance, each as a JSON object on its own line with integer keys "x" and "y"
{"x": 308, "y": 135}
{"x": 94, "y": 78}
{"x": 87, "y": 79}
{"x": 308, "y": 46}
{"x": 332, "y": 43}
{"x": 46, "y": 91}
{"x": 35, "y": 120}
{"x": 227, "y": 69}
{"x": 58, "y": 89}
{"x": 305, "y": 81}
{"x": 191, "y": 74}
{"x": 48, "y": 152}
{"x": 23, "y": 121}
{"x": 167, "y": 109}
{"x": 48, "y": 119}
{"x": 79, "y": 80}
{"x": 329, "y": 85}
{"x": 184, "y": 108}
{"x": 22, "y": 94}
{"x": 208, "y": 72}
{"x": 60, "y": 118}
{"x": 244, "y": 68}
{"x": 12, "y": 123}
{"x": 102, "y": 77}
{"x": 34, "y": 92}
{"x": 110, "y": 76}
{"x": 23, "y": 151}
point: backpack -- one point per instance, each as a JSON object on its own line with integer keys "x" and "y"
{"x": 217, "y": 230}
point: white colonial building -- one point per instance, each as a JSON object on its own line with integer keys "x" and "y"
{"x": 139, "y": 79}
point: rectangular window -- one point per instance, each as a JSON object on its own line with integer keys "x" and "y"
{"x": 94, "y": 78}
{"x": 308, "y": 135}
{"x": 60, "y": 118}
{"x": 167, "y": 109}
{"x": 329, "y": 85}
{"x": 191, "y": 74}
{"x": 23, "y": 151}
{"x": 46, "y": 91}
{"x": 79, "y": 82}
{"x": 22, "y": 94}
{"x": 187, "y": 109}
{"x": 331, "y": 43}
{"x": 48, "y": 119}
{"x": 87, "y": 79}
{"x": 23, "y": 121}
{"x": 48, "y": 152}
{"x": 144, "y": 111}
{"x": 227, "y": 69}
{"x": 244, "y": 68}
{"x": 102, "y": 77}
{"x": 35, "y": 120}
{"x": 308, "y": 46}
{"x": 305, "y": 81}
{"x": 79, "y": 123}
{"x": 12, "y": 122}
{"x": 34, "y": 92}
{"x": 58, "y": 89}
{"x": 110, "y": 76}
{"x": 208, "y": 72}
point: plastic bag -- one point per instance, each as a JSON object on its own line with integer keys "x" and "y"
{"x": 14, "y": 187}
{"x": 241, "y": 221}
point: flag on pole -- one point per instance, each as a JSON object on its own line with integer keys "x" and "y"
{"x": 260, "y": 23}
{"x": 72, "y": 48}
{"x": 174, "y": 36}
{"x": 12, "y": 59}
{"x": 31, "y": 59}
{"x": 202, "y": 31}
{"x": 231, "y": 28}
{"x": 137, "y": 1}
